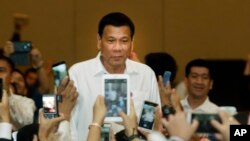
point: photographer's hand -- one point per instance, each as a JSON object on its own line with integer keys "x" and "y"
{"x": 48, "y": 127}
{"x": 8, "y": 48}
{"x": 177, "y": 125}
{"x": 130, "y": 121}
{"x": 69, "y": 96}
{"x": 4, "y": 108}
{"x": 224, "y": 127}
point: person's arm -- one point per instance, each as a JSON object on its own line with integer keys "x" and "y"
{"x": 5, "y": 126}
{"x": 69, "y": 96}
{"x": 48, "y": 127}
{"x": 130, "y": 123}
{"x": 99, "y": 112}
{"x": 169, "y": 96}
{"x": 38, "y": 64}
{"x": 224, "y": 127}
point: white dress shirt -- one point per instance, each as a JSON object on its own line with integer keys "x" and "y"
{"x": 87, "y": 77}
{"x": 206, "y": 107}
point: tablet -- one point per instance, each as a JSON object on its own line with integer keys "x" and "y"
{"x": 116, "y": 93}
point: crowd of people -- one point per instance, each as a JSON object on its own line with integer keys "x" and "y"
{"x": 83, "y": 108}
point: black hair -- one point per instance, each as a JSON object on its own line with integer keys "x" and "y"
{"x": 8, "y": 61}
{"x": 198, "y": 63}
{"x": 116, "y": 19}
{"x": 161, "y": 62}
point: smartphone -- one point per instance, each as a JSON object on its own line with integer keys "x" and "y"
{"x": 50, "y": 106}
{"x": 105, "y": 132}
{"x": 21, "y": 55}
{"x": 59, "y": 71}
{"x": 146, "y": 121}
{"x": 166, "y": 77}
{"x": 1, "y": 89}
{"x": 204, "y": 121}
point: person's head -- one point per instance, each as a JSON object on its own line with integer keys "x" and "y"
{"x": 31, "y": 77}
{"x": 115, "y": 39}
{"x": 161, "y": 62}
{"x": 6, "y": 68}
{"x": 18, "y": 83}
{"x": 198, "y": 78}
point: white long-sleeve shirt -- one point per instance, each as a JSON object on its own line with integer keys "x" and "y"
{"x": 87, "y": 77}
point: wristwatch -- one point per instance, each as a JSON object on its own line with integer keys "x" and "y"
{"x": 133, "y": 136}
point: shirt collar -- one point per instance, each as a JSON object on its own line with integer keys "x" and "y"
{"x": 100, "y": 69}
{"x": 203, "y": 107}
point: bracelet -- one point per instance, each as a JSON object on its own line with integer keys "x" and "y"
{"x": 96, "y": 125}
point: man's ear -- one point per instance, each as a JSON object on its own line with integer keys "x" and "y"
{"x": 132, "y": 45}
{"x": 211, "y": 84}
{"x": 98, "y": 42}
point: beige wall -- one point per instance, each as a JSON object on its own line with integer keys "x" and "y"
{"x": 206, "y": 28}
{"x": 66, "y": 29}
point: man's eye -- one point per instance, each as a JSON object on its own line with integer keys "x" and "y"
{"x": 194, "y": 76}
{"x": 124, "y": 41}
{"x": 111, "y": 41}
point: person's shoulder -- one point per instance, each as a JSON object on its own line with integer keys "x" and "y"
{"x": 83, "y": 64}
{"x": 22, "y": 99}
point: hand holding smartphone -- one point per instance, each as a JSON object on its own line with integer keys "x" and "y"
{"x": 59, "y": 71}
{"x": 147, "y": 116}
{"x": 204, "y": 120}
{"x": 166, "y": 77}
{"x": 50, "y": 106}
{"x": 21, "y": 55}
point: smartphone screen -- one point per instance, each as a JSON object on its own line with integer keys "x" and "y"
{"x": 1, "y": 89}
{"x": 166, "y": 77}
{"x": 204, "y": 122}
{"x": 105, "y": 132}
{"x": 50, "y": 106}
{"x": 59, "y": 71}
{"x": 115, "y": 96}
{"x": 147, "y": 115}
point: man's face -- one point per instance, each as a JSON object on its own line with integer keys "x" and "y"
{"x": 5, "y": 74}
{"x": 115, "y": 45}
{"x": 31, "y": 78}
{"x": 198, "y": 82}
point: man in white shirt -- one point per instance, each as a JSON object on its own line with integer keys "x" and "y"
{"x": 198, "y": 80}
{"x": 115, "y": 42}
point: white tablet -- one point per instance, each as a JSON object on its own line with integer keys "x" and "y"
{"x": 116, "y": 91}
